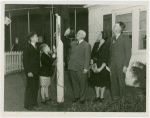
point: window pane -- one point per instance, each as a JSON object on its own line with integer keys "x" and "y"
{"x": 142, "y": 15}
{"x": 128, "y": 26}
{"x": 143, "y": 24}
{"x": 127, "y": 19}
{"x": 128, "y": 34}
{"x": 142, "y": 39}
{"x": 142, "y": 20}
{"x": 142, "y": 32}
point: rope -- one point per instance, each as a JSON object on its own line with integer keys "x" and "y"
{"x": 55, "y": 74}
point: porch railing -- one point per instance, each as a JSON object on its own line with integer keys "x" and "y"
{"x": 13, "y": 62}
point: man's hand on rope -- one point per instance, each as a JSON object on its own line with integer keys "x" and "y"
{"x": 67, "y": 32}
{"x": 54, "y": 49}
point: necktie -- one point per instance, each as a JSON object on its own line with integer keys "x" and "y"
{"x": 114, "y": 39}
{"x": 35, "y": 47}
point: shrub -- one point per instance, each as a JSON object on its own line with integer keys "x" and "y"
{"x": 139, "y": 71}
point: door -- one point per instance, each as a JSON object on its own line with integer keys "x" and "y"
{"x": 107, "y": 25}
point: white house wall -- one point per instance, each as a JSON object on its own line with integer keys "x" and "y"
{"x": 96, "y": 25}
{"x": 96, "y": 19}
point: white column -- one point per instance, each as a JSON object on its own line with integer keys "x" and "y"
{"x": 51, "y": 46}
{"x": 10, "y": 33}
{"x": 53, "y": 29}
{"x": 28, "y": 22}
{"x": 113, "y": 21}
{"x": 75, "y": 21}
{"x": 60, "y": 62}
{"x": 135, "y": 29}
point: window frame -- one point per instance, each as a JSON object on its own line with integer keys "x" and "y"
{"x": 125, "y": 31}
{"x": 140, "y": 10}
{"x": 135, "y": 10}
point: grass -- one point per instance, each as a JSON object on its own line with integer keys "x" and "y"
{"x": 129, "y": 104}
{"x": 134, "y": 101}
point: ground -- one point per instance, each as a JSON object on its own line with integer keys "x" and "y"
{"x": 14, "y": 88}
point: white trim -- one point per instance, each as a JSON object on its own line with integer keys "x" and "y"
{"x": 88, "y": 6}
{"x": 127, "y": 31}
{"x": 28, "y": 22}
{"x": 10, "y": 32}
{"x": 96, "y": 6}
{"x": 142, "y": 30}
{"x": 143, "y": 8}
{"x": 113, "y": 19}
{"x": 124, "y": 11}
{"x": 141, "y": 52}
{"x": 22, "y": 9}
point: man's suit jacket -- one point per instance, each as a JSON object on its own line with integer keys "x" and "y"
{"x": 31, "y": 59}
{"x": 80, "y": 56}
{"x": 120, "y": 51}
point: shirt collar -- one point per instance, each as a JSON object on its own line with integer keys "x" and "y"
{"x": 80, "y": 41}
{"x": 117, "y": 36}
{"x": 33, "y": 44}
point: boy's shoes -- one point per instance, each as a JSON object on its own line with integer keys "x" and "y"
{"x": 33, "y": 108}
{"x": 37, "y": 107}
{"x": 101, "y": 100}
{"x": 30, "y": 108}
{"x": 44, "y": 102}
{"x": 75, "y": 100}
{"x": 82, "y": 101}
{"x": 96, "y": 99}
{"x": 48, "y": 99}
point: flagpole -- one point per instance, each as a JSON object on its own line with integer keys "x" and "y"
{"x": 28, "y": 22}
{"x": 53, "y": 24}
{"x": 60, "y": 62}
{"x": 10, "y": 33}
{"x": 51, "y": 29}
{"x": 75, "y": 22}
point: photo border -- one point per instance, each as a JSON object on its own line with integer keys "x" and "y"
{"x": 71, "y": 114}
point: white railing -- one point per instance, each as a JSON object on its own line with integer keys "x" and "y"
{"x": 13, "y": 62}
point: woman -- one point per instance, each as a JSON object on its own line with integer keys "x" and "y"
{"x": 100, "y": 76}
{"x": 46, "y": 72}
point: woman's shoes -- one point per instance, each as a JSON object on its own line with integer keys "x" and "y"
{"x": 45, "y": 102}
{"x": 101, "y": 100}
{"x": 96, "y": 99}
{"x": 48, "y": 99}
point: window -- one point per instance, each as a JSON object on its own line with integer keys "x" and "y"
{"x": 127, "y": 19}
{"x": 142, "y": 30}
{"x": 135, "y": 19}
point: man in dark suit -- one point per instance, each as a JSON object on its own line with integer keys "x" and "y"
{"x": 78, "y": 65}
{"x": 120, "y": 54}
{"x": 31, "y": 63}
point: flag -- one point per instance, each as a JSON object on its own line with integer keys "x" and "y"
{"x": 7, "y": 20}
{"x": 43, "y": 12}
{"x": 63, "y": 12}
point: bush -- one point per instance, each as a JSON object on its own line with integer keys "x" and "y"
{"x": 138, "y": 70}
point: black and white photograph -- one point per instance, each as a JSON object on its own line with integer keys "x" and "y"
{"x": 75, "y": 57}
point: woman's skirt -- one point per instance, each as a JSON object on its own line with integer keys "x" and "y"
{"x": 101, "y": 79}
{"x": 45, "y": 81}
